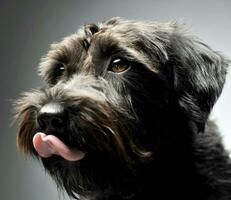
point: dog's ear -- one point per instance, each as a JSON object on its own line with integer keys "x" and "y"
{"x": 198, "y": 75}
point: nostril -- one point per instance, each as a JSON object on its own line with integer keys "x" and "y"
{"x": 56, "y": 123}
{"x": 42, "y": 124}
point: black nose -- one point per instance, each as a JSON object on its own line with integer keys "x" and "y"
{"x": 48, "y": 120}
{"x": 51, "y": 122}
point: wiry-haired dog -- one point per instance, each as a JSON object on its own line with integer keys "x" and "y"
{"x": 125, "y": 113}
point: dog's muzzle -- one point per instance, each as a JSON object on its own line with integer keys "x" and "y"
{"x": 52, "y": 119}
{"x": 74, "y": 118}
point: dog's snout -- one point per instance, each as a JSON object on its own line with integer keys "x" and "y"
{"x": 51, "y": 122}
{"x": 51, "y": 117}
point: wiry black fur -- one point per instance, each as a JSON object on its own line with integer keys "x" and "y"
{"x": 146, "y": 131}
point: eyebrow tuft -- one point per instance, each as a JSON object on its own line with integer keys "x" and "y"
{"x": 91, "y": 29}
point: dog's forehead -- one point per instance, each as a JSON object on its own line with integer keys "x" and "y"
{"x": 93, "y": 40}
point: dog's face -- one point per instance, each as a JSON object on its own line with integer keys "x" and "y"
{"x": 112, "y": 90}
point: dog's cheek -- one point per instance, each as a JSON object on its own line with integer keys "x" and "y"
{"x": 26, "y": 129}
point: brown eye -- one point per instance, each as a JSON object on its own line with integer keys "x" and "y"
{"x": 59, "y": 70}
{"x": 118, "y": 65}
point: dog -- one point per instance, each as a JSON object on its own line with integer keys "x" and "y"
{"x": 124, "y": 114}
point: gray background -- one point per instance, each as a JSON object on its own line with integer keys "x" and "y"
{"x": 28, "y": 27}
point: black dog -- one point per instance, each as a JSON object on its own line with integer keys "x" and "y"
{"x": 125, "y": 114}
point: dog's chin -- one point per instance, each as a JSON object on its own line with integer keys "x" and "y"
{"x": 82, "y": 173}
{"x": 90, "y": 175}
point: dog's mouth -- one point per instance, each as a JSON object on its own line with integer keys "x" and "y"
{"x": 48, "y": 145}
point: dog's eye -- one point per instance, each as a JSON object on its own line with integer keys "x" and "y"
{"x": 118, "y": 65}
{"x": 59, "y": 70}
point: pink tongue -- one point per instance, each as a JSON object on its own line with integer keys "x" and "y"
{"x": 47, "y": 145}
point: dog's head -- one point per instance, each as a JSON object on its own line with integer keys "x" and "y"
{"x": 113, "y": 89}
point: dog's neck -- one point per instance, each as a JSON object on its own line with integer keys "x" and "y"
{"x": 185, "y": 165}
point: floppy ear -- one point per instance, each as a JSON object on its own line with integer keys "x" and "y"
{"x": 199, "y": 75}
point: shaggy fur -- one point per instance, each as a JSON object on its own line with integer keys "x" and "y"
{"x": 145, "y": 131}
